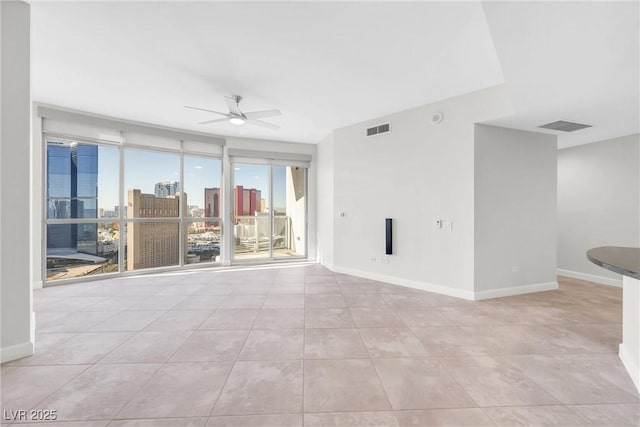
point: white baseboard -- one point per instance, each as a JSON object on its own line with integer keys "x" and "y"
{"x": 16, "y": 351}
{"x": 591, "y": 278}
{"x": 414, "y": 284}
{"x": 329, "y": 265}
{"x": 630, "y": 365}
{"x": 515, "y": 290}
{"x": 445, "y": 290}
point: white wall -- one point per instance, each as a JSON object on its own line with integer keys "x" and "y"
{"x": 296, "y": 211}
{"x": 15, "y": 111}
{"x": 325, "y": 201}
{"x": 416, "y": 174}
{"x": 598, "y": 204}
{"x": 515, "y": 211}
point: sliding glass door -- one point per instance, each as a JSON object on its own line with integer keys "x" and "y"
{"x": 251, "y": 216}
{"x": 269, "y": 211}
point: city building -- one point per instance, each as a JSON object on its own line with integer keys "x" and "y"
{"x": 212, "y": 205}
{"x": 195, "y": 211}
{"x": 248, "y": 201}
{"x": 153, "y": 244}
{"x": 166, "y": 188}
{"x": 72, "y": 192}
{"x": 108, "y": 214}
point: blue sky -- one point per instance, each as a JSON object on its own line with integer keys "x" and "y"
{"x": 143, "y": 169}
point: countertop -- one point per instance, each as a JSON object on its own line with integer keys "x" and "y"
{"x": 625, "y": 261}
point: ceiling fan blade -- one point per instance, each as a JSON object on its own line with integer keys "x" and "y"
{"x": 232, "y": 104}
{"x": 262, "y": 114}
{"x": 202, "y": 109}
{"x": 263, "y": 124}
{"x": 213, "y": 121}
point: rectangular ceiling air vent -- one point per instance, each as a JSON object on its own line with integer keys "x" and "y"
{"x": 377, "y": 130}
{"x": 564, "y": 126}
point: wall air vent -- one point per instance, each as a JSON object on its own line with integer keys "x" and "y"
{"x": 564, "y": 126}
{"x": 377, "y": 130}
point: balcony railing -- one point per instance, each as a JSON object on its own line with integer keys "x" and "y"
{"x": 251, "y": 233}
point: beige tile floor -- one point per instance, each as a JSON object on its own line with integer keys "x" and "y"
{"x": 298, "y": 345}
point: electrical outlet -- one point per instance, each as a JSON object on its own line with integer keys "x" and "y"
{"x": 447, "y": 225}
{"x": 438, "y": 223}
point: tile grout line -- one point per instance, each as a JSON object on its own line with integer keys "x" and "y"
{"x": 235, "y": 361}
{"x": 430, "y": 356}
{"x": 488, "y": 417}
{"x": 439, "y": 364}
{"x": 134, "y": 334}
{"x": 133, "y": 395}
{"x": 304, "y": 344}
{"x": 88, "y": 366}
{"x": 162, "y": 365}
{"x": 505, "y": 358}
{"x": 373, "y": 366}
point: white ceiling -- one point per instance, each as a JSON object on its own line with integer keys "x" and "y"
{"x": 574, "y": 61}
{"x": 328, "y": 65}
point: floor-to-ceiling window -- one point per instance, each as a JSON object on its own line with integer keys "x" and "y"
{"x": 112, "y": 208}
{"x": 154, "y": 205}
{"x": 269, "y": 211}
{"x": 121, "y": 198}
{"x": 81, "y": 192}
{"x": 204, "y": 209}
{"x": 251, "y": 211}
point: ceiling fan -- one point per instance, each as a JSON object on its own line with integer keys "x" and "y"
{"x": 237, "y": 117}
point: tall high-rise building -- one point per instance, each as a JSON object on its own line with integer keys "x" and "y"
{"x": 256, "y": 202}
{"x": 153, "y": 244}
{"x": 72, "y": 192}
{"x": 167, "y": 188}
{"x": 253, "y": 203}
{"x": 212, "y": 205}
{"x": 247, "y": 201}
{"x": 239, "y": 200}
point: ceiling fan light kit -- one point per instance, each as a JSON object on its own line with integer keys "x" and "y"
{"x": 237, "y": 117}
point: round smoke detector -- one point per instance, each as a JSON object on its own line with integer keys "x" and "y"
{"x": 437, "y": 117}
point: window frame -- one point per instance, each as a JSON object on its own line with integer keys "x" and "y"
{"x": 182, "y": 220}
{"x": 270, "y": 163}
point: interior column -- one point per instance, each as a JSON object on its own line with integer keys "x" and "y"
{"x": 15, "y": 131}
